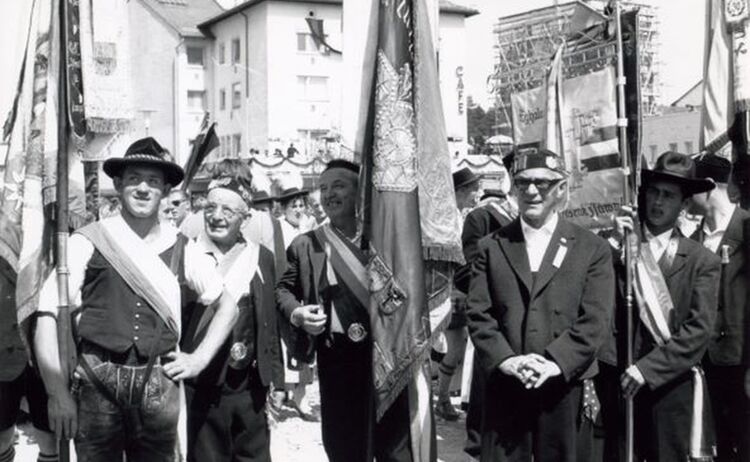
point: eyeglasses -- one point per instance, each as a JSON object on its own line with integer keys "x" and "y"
{"x": 176, "y": 203}
{"x": 542, "y": 185}
{"x": 228, "y": 212}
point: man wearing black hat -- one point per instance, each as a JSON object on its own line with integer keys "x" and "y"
{"x": 539, "y": 300}
{"x": 129, "y": 272}
{"x": 466, "y": 188}
{"x": 226, "y": 402}
{"x": 675, "y": 285}
{"x": 324, "y": 295}
{"x": 724, "y": 231}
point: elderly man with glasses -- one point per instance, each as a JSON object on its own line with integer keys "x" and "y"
{"x": 538, "y": 306}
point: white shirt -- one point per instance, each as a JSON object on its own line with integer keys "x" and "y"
{"x": 200, "y": 270}
{"x": 537, "y": 241}
{"x": 658, "y": 244}
{"x": 712, "y": 239}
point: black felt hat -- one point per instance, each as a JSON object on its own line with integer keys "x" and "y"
{"x": 463, "y": 177}
{"x": 537, "y": 158}
{"x": 677, "y": 168}
{"x": 342, "y": 163}
{"x": 715, "y": 167}
{"x": 291, "y": 193}
{"x": 499, "y": 193}
{"x": 146, "y": 151}
{"x": 261, "y": 197}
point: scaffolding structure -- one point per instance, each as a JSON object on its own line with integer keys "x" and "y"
{"x": 525, "y": 42}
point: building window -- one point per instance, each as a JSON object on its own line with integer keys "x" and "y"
{"x": 236, "y": 95}
{"x": 673, "y": 147}
{"x": 195, "y": 56}
{"x": 197, "y": 100}
{"x": 222, "y": 99}
{"x": 235, "y": 51}
{"x": 236, "y": 145}
{"x": 688, "y": 147}
{"x": 312, "y": 88}
{"x": 222, "y": 51}
{"x": 306, "y": 44}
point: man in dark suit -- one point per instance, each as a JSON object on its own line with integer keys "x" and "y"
{"x": 722, "y": 233}
{"x": 493, "y": 212}
{"x": 321, "y": 295}
{"x": 673, "y": 325}
{"x": 226, "y": 402}
{"x": 538, "y": 304}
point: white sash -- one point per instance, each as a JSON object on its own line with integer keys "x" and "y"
{"x": 145, "y": 257}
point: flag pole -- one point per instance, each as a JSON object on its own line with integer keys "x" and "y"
{"x": 61, "y": 217}
{"x": 622, "y": 126}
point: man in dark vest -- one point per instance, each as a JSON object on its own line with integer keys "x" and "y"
{"x": 539, "y": 300}
{"x": 18, "y": 379}
{"x": 675, "y": 288}
{"x": 323, "y": 294}
{"x": 226, "y": 402}
{"x": 724, "y": 231}
{"x": 127, "y": 272}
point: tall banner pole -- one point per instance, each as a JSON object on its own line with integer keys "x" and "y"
{"x": 628, "y": 197}
{"x": 61, "y": 215}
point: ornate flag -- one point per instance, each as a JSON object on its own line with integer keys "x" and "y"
{"x": 411, "y": 223}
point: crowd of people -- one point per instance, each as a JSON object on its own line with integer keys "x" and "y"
{"x": 196, "y": 318}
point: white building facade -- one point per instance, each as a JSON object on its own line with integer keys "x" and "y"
{"x": 276, "y": 90}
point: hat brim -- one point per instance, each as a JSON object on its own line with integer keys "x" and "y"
{"x": 467, "y": 182}
{"x": 692, "y": 186}
{"x": 173, "y": 173}
{"x": 263, "y": 200}
{"x": 292, "y": 195}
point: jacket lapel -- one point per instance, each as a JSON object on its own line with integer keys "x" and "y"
{"x": 561, "y": 242}
{"x": 512, "y": 243}
{"x": 679, "y": 259}
{"x": 317, "y": 259}
{"x": 733, "y": 235}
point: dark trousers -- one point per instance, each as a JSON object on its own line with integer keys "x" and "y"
{"x": 523, "y": 425}
{"x": 350, "y": 433}
{"x": 475, "y": 412}
{"x": 731, "y": 411}
{"x": 105, "y": 433}
{"x": 227, "y": 427}
{"x": 662, "y": 421}
{"x": 611, "y": 438}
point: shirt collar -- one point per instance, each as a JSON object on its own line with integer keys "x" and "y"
{"x": 662, "y": 239}
{"x": 721, "y": 225}
{"x": 546, "y": 229}
{"x": 208, "y": 246}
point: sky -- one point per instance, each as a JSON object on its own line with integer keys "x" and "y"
{"x": 681, "y": 54}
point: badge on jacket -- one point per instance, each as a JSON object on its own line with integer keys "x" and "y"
{"x": 356, "y": 332}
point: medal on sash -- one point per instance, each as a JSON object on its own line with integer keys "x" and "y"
{"x": 356, "y": 332}
{"x": 237, "y": 354}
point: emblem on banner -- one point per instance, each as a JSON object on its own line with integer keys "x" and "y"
{"x": 356, "y": 332}
{"x": 735, "y": 11}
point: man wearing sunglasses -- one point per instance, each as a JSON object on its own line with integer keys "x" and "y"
{"x": 179, "y": 206}
{"x": 538, "y": 305}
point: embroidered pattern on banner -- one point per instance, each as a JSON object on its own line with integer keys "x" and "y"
{"x": 394, "y": 156}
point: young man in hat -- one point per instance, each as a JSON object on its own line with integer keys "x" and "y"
{"x": 725, "y": 231}
{"x": 128, "y": 272}
{"x": 322, "y": 294}
{"x": 538, "y": 304}
{"x": 675, "y": 287}
{"x": 466, "y": 188}
{"x": 226, "y": 402}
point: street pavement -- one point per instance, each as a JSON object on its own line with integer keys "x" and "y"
{"x": 294, "y": 440}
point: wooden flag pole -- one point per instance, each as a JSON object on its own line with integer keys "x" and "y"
{"x": 622, "y": 125}
{"x": 61, "y": 217}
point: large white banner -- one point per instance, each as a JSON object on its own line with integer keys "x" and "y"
{"x": 589, "y": 127}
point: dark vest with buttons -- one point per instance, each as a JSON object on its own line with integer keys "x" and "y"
{"x": 114, "y": 318}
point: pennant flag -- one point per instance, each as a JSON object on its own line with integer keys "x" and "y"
{"x": 204, "y": 143}
{"x": 726, "y": 87}
{"x": 319, "y": 36}
{"x": 575, "y": 114}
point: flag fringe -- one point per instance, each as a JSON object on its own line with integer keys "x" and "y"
{"x": 404, "y": 377}
{"x": 443, "y": 252}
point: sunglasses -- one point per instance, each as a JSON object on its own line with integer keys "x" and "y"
{"x": 542, "y": 185}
